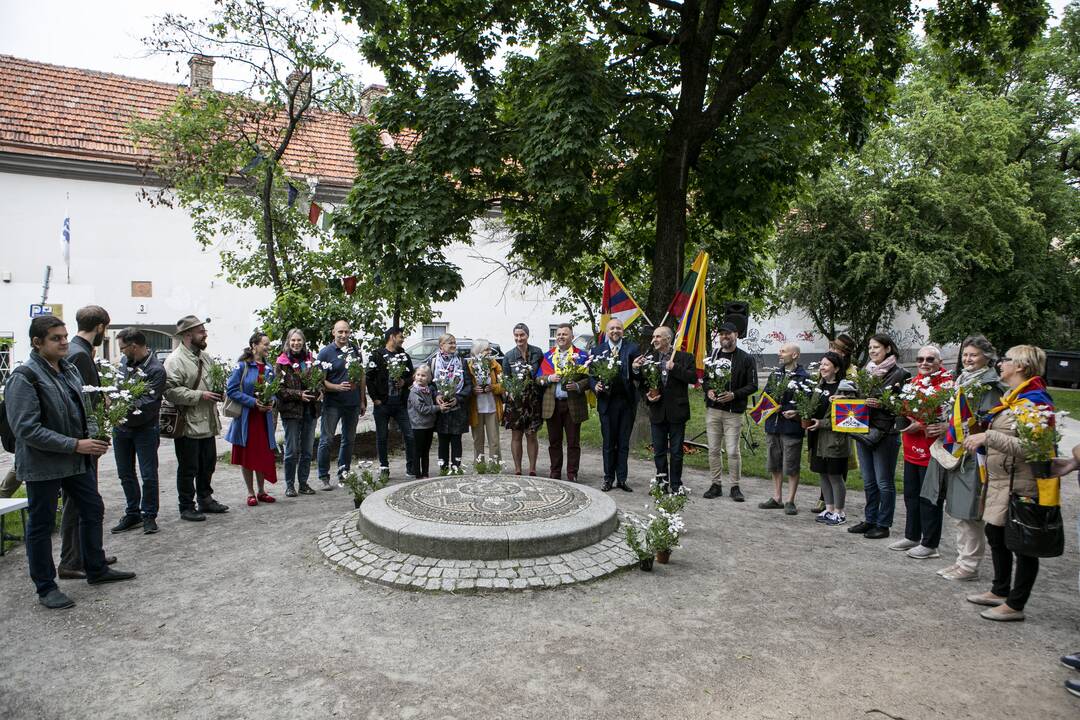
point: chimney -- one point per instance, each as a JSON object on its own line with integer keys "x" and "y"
{"x": 369, "y": 95}
{"x": 299, "y": 77}
{"x": 202, "y": 73}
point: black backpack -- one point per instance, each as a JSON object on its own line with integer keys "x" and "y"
{"x": 7, "y": 435}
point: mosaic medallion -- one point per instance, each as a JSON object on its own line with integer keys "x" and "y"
{"x": 487, "y": 500}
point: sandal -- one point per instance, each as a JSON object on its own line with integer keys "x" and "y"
{"x": 252, "y": 502}
{"x": 266, "y": 498}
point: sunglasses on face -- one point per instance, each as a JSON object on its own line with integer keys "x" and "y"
{"x": 925, "y": 359}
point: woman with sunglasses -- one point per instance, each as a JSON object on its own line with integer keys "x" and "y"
{"x": 957, "y": 478}
{"x": 1007, "y": 473}
{"x": 922, "y": 529}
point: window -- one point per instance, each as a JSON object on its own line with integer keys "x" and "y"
{"x": 551, "y": 335}
{"x": 432, "y": 332}
{"x": 7, "y": 343}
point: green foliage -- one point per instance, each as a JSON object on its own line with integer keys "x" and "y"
{"x": 627, "y": 131}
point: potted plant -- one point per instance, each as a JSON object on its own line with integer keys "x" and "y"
{"x": 806, "y": 397}
{"x": 663, "y": 533}
{"x": 672, "y": 502}
{"x": 639, "y": 543}
{"x": 363, "y": 484}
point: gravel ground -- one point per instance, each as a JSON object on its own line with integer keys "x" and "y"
{"x": 759, "y": 615}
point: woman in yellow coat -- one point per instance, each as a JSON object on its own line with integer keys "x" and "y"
{"x": 485, "y": 403}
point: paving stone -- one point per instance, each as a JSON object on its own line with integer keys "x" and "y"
{"x": 484, "y": 583}
{"x": 452, "y": 573}
{"x": 388, "y": 577}
{"x": 469, "y": 573}
{"x": 435, "y": 572}
{"x": 449, "y": 584}
{"x": 500, "y": 583}
{"x": 408, "y": 569}
{"x": 488, "y": 573}
{"x": 421, "y": 571}
{"x": 519, "y": 583}
{"x": 433, "y": 584}
{"x": 535, "y": 582}
{"x": 394, "y": 566}
{"x": 560, "y": 568}
{"x": 466, "y": 584}
{"x": 582, "y": 576}
{"x": 507, "y": 573}
{"x": 527, "y": 572}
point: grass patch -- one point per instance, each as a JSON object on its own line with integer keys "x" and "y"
{"x": 1067, "y": 400}
{"x": 13, "y": 525}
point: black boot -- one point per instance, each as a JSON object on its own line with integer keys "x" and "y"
{"x": 715, "y": 490}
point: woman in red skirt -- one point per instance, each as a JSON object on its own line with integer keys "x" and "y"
{"x": 252, "y": 434}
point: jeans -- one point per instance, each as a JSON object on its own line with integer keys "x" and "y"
{"x": 923, "y": 517}
{"x": 616, "y": 424}
{"x": 400, "y": 413}
{"x": 1027, "y": 569}
{"x": 195, "y": 462}
{"x": 667, "y": 438}
{"x": 331, "y": 415}
{"x": 879, "y": 479}
{"x": 724, "y": 428}
{"x": 41, "y": 497}
{"x": 299, "y": 444}
{"x": 139, "y": 444}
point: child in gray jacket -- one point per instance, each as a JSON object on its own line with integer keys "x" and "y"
{"x": 422, "y": 413}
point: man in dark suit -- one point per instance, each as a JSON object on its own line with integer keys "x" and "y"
{"x": 616, "y": 404}
{"x": 669, "y": 405}
{"x": 390, "y": 399}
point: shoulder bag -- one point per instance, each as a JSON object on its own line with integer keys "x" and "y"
{"x": 1033, "y": 529}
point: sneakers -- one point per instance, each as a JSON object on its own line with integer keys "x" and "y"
{"x": 860, "y": 528}
{"x": 306, "y": 489}
{"x": 770, "y": 504}
{"x": 790, "y": 509}
{"x": 56, "y": 600}
{"x": 921, "y": 552}
{"x": 149, "y": 526}
{"x": 736, "y": 494}
{"x": 210, "y": 505}
{"x": 192, "y": 515}
{"x": 819, "y": 507}
{"x": 986, "y": 598}
{"x": 946, "y": 570}
{"x": 902, "y": 544}
{"x": 290, "y": 492}
{"x": 715, "y": 490}
{"x": 961, "y": 574}
{"x": 128, "y": 522}
{"x": 876, "y": 533}
{"x": 834, "y": 519}
{"x": 1071, "y": 661}
{"x": 1002, "y": 613}
{"x": 820, "y": 517}
{"x": 326, "y": 484}
{"x": 1073, "y": 686}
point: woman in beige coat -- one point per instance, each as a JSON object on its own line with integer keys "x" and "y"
{"x": 1021, "y": 369}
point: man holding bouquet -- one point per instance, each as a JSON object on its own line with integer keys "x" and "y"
{"x": 616, "y": 400}
{"x": 565, "y": 380}
{"x": 730, "y": 380}
{"x": 668, "y": 400}
{"x": 344, "y": 400}
{"x": 391, "y": 374}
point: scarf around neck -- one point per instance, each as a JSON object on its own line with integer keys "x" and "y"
{"x": 883, "y": 368}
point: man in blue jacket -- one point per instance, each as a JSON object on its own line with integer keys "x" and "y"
{"x": 139, "y": 437}
{"x": 616, "y": 403}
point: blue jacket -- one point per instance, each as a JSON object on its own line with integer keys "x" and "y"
{"x": 241, "y": 388}
{"x": 47, "y": 420}
{"x": 777, "y": 424}
{"x": 628, "y": 352}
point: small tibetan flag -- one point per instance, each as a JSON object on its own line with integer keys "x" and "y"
{"x": 616, "y": 301}
{"x": 850, "y": 416}
{"x": 765, "y": 407}
{"x": 313, "y": 213}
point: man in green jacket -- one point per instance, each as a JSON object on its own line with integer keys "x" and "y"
{"x": 187, "y": 386}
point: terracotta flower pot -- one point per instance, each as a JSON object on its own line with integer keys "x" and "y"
{"x": 645, "y": 564}
{"x": 806, "y": 424}
{"x": 662, "y": 556}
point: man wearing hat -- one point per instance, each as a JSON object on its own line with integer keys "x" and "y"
{"x": 724, "y": 410}
{"x": 187, "y": 386}
{"x": 390, "y": 397}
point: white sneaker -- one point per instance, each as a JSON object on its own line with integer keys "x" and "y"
{"x": 946, "y": 570}
{"x": 921, "y": 552}
{"x": 902, "y": 544}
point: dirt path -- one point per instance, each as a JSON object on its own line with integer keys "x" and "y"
{"x": 759, "y": 616}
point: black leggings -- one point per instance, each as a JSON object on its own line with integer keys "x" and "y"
{"x": 450, "y": 450}
{"x": 423, "y": 437}
{"x": 1027, "y": 568}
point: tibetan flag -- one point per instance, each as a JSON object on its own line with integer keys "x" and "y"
{"x": 959, "y": 422}
{"x": 765, "y": 407}
{"x": 850, "y": 416}
{"x": 313, "y": 213}
{"x": 548, "y": 363}
{"x": 690, "y": 331}
{"x": 616, "y": 301}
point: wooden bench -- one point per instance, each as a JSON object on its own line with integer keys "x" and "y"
{"x": 9, "y": 505}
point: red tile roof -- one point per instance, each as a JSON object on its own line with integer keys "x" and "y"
{"x": 83, "y": 114}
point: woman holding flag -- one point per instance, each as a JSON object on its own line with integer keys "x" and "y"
{"x": 1007, "y": 473}
{"x": 952, "y": 470}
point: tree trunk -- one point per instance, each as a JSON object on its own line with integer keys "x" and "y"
{"x": 670, "y": 246}
{"x": 268, "y": 229}
{"x": 397, "y": 309}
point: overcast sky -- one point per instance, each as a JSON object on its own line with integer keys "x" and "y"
{"x": 106, "y": 35}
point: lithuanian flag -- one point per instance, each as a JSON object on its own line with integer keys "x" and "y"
{"x": 689, "y": 307}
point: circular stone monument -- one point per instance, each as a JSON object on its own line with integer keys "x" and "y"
{"x": 487, "y": 517}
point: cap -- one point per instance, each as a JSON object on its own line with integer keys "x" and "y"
{"x": 728, "y": 327}
{"x": 188, "y": 322}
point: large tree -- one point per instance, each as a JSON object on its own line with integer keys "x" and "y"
{"x": 641, "y": 126}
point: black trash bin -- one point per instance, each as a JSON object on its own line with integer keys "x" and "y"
{"x": 1063, "y": 368}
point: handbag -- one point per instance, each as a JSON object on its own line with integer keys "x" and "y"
{"x": 1033, "y": 529}
{"x": 171, "y": 417}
